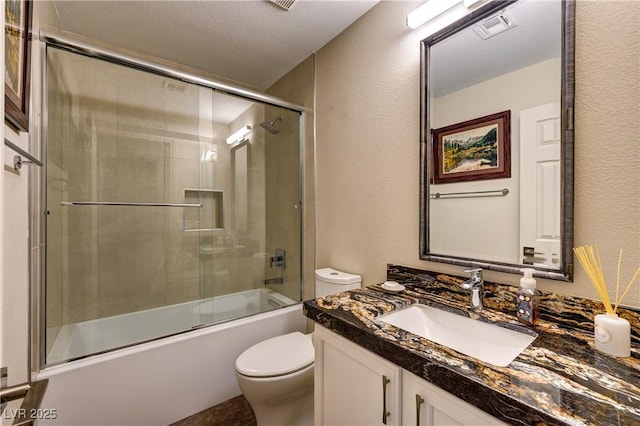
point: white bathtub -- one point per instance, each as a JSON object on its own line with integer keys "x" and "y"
{"x": 78, "y": 340}
{"x": 159, "y": 382}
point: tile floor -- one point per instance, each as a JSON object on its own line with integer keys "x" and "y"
{"x": 234, "y": 412}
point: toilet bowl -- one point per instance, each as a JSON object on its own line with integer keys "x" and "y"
{"x": 276, "y": 375}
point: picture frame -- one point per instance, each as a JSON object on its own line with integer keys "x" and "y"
{"x": 18, "y": 15}
{"x": 473, "y": 150}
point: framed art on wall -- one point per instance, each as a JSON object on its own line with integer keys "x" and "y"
{"x": 473, "y": 150}
{"x": 17, "y": 29}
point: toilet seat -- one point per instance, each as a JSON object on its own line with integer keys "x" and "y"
{"x": 277, "y": 356}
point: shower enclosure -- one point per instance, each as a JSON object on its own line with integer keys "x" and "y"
{"x": 171, "y": 203}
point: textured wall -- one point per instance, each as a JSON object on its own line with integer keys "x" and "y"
{"x": 14, "y": 285}
{"x": 607, "y": 162}
{"x": 368, "y": 150}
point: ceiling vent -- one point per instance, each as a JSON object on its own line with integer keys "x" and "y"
{"x": 285, "y": 4}
{"x": 495, "y": 25}
{"x": 175, "y": 86}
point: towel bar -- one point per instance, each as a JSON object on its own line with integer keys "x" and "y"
{"x": 17, "y": 159}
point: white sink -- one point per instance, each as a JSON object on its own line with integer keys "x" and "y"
{"x": 486, "y": 342}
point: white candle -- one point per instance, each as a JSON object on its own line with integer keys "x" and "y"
{"x": 612, "y": 335}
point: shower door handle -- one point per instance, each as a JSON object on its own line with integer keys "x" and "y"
{"x": 117, "y": 203}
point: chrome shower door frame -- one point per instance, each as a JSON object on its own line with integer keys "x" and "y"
{"x": 38, "y": 187}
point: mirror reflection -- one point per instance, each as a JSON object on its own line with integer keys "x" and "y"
{"x": 493, "y": 174}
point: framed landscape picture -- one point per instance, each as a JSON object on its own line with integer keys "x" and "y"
{"x": 473, "y": 150}
{"x": 17, "y": 28}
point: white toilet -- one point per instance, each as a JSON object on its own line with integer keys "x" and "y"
{"x": 276, "y": 375}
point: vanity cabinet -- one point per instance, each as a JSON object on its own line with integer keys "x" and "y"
{"x": 354, "y": 386}
{"x": 424, "y": 404}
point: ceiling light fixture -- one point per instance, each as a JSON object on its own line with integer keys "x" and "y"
{"x": 427, "y": 11}
{"x": 440, "y": 13}
{"x": 239, "y": 135}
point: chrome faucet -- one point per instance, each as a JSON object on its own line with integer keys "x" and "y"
{"x": 475, "y": 285}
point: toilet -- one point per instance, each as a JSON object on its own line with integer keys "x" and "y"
{"x": 276, "y": 375}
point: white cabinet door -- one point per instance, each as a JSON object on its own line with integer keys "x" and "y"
{"x": 425, "y": 404}
{"x": 353, "y": 386}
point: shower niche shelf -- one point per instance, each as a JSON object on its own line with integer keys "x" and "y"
{"x": 210, "y": 217}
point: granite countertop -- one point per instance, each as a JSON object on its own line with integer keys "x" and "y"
{"x": 560, "y": 379}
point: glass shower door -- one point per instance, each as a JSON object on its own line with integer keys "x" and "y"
{"x": 158, "y": 220}
{"x": 122, "y": 146}
{"x": 251, "y": 262}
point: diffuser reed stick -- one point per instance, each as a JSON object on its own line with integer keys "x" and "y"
{"x": 589, "y": 258}
{"x": 612, "y": 334}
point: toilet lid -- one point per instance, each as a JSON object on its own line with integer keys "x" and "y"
{"x": 276, "y": 356}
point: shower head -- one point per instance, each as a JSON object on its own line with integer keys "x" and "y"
{"x": 270, "y": 127}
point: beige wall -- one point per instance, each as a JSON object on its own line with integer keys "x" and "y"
{"x": 14, "y": 283}
{"x": 367, "y": 145}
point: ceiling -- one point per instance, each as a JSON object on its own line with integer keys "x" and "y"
{"x": 251, "y": 42}
{"x": 535, "y": 38}
{"x": 255, "y": 42}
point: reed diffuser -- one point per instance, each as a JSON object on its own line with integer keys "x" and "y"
{"x": 612, "y": 334}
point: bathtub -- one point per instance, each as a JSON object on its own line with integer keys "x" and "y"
{"x": 78, "y": 340}
{"x": 162, "y": 381}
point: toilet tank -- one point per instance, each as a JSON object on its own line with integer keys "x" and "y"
{"x": 331, "y": 281}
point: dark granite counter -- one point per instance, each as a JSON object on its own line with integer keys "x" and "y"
{"x": 560, "y": 379}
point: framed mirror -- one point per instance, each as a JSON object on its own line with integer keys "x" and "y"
{"x": 497, "y": 96}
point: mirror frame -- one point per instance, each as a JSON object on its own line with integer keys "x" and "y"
{"x": 567, "y": 96}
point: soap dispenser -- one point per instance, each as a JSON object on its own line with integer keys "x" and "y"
{"x": 527, "y": 299}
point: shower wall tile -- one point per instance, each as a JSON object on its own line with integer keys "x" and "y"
{"x": 79, "y": 181}
{"x": 108, "y": 292}
{"x": 188, "y": 149}
{"x": 107, "y": 170}
{"x": 141, "y": 272}
{"x": 140, "y": 178}
{"x": 183, "y": 174}
{"x": 79, "y": 221}
{"x": 140, "y": 145}
{"x": 54, "y": 279}
{"x": 183, "y": 290}
{"x": 80, "y": 278}
{"x": 131, "y": 219}
{"x": 232, "y": 272}
{"x": 182, "y": 111}
{"x": 107, "y": 220}
{"x": 181, "y": 258}
{"x": 107, "y": 141}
